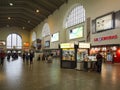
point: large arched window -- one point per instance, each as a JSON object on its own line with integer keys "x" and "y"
{"x": 45, "y": 30}
{"x": 33, "y": 36}
{"x": 14, "y": 41}
{"x": 76, "y": 16}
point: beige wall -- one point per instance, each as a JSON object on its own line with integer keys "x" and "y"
{"x": 94, "y": 8}
{"x": 4, "y": 32}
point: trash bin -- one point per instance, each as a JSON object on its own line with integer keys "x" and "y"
{"x": 85, "y": 66}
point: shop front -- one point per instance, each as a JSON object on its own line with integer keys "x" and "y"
{"x": 108, "y": 46}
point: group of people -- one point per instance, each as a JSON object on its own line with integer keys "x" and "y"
{"x": 45, "y": 57}
{"x": 28, "y": 56}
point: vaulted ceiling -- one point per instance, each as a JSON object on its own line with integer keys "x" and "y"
{"x": 26, "y": 14}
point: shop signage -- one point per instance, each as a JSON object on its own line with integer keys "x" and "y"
{"x": 67, "y": 45}
{"x": 106, "y": 38}
{"x": 84, "y": 45}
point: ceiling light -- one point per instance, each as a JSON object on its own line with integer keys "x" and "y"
{"x": 9, "y": 18}
{"x": 23, "y": 27}
{"x": 28, "y": 21}
{"x": 11, "y": 4}
{"x": 7, "y": 26}
{"x": 37, "y": 11}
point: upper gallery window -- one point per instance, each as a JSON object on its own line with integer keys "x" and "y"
{"x": 76, "y": 16}
{"x": 45, "y": 30}
{"x": 33, "y": 36}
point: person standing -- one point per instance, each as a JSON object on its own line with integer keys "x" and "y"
{"x": 31, "y": 57}
{"x": 2, "y": 57}
{"x": 99, "y": 62}
{"x": 23, "y": 56}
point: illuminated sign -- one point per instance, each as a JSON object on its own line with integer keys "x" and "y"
{"x": 84, "y": 45}
{"x": 106, "y": 38}
{"x": 2, "y": 43}
{"x": 67, "y": 45}
{"x": 55, "y": 37}
{"x": 76, "y": 33}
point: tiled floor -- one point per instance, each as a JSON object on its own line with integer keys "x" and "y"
{"x": 16, "y": 75}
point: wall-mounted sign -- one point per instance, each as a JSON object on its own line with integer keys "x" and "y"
{"x": 104, "y": 22}
{"x": 84, "y": 45}
{"x": 76, "y": 33}
{"x": 106, "y": 38}
{"x": 55, "y": 37}
{"x": 67, "y": 45}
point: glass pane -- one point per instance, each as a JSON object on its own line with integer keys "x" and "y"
{"x": 19, "y": 42}
{"x": 14, "y": 40}
{"x": 74, "y": 16}
{"x": 9, "y": 41}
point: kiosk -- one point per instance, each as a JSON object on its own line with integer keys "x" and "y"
{"x": 68, "y": 53}
{"x": 82, "y": 56}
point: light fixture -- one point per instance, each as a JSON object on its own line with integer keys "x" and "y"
{"x": 7, "y": 25}
{"x": 11, "y": 4}
{"x": 9, "y": 18}
{"x": 28, "y": 21}
{"x": 37, "y": 11}
{"x": 23, "y": 27}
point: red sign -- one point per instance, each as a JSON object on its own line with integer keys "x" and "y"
{"x": 106, "y": 38}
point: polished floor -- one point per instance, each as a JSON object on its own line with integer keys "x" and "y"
{"x": 16, "y": 75}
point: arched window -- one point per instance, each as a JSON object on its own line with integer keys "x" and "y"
{"x": 76, "y": 16}
{"x": 33, "y": 36}
{"x": 45, "y": 30}
{"x": 14, "y": 41}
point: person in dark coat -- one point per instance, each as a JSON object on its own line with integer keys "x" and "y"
{"x": 99, "y": 62}
{"x": 23, "y": 56}
{"x": 2, "y": 57}
{"x": 31, "y": 57}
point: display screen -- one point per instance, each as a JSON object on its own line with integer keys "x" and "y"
{"x": 47, "y": 43}
{"x": 55, "y": 37}
{"x": 76, "y": 33}
{"x": 104, "y": 22}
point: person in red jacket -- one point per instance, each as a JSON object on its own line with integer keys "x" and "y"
{"x": 2, "y": 56}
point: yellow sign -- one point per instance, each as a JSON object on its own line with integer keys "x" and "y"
{"x": 67, "y": 45}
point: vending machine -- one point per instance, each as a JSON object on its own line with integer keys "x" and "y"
{"x": 68, "y": 54}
